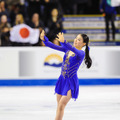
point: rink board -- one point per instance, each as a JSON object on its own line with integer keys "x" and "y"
{"x": 42, "y": 66}
{"x": 51, "y": 82}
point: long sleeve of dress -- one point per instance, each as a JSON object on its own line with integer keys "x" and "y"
{"x": 70, "y": 47}
{"x": 53, "y": 46}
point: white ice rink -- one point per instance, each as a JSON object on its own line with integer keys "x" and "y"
{"x": 39, "y": 103}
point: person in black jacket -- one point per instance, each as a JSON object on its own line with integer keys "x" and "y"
{"x": 54, "y": 24}
{"x": 4, "y": 30}
{"x": 110, "y": 13}
{"x": 3, "y": 9}
{"x": 36, "y": 22}
{"x": 5, "y": 33}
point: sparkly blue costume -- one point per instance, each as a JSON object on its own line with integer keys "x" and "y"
{"x": 68, "y": 79}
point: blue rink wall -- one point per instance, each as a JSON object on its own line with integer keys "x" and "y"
{"x": 51, "y": 82}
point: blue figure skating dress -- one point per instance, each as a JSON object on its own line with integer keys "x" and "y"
{"x": 68, "y": 79}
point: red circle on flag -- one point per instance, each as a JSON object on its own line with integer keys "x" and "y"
{"x": 24, "y": 32}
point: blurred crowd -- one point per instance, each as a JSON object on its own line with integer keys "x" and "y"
{"x": 40, "y": 14}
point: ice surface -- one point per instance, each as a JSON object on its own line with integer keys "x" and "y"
{"x": 39, "y": 103}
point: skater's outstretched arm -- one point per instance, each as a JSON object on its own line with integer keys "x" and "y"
{"x": 50, "y": 44}
{"x": 69, "y": 46}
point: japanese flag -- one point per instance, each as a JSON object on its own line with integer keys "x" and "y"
{"x": 23, "y": 33}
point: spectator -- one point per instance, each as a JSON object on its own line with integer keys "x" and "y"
{"x": 19, "y": 19}
{"x": 36, "y": 23}
{"x": 110, "y": 13}
{"x": 67, "y": 6}
{"x": 4, "y": 31}
{"x": 46, "y": 11}
{"x": 5, "y": 35}
{"x": 48, "y": 5}
{"x": 3, "y": 10}
{"x": 4, "y": 28}
{"x": 80, "y": 6}
{"x": 4, "y": 20}
{"x": 33, "y": 7}
{"x": 13, "y": 2}
{"x": 13, "y": 12}
{"x": 54, "y": 24}
{"x": 17, "y": 9}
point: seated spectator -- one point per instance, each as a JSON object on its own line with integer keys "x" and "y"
{"x": 48, "y": 5}
{"x": 36, "y": 23}
{"x": 3, "y": 10}
{"x": 4, "y": 31}
{"x": 4, "y": 22}
{"x": 68, "y": 6}
{"x": 5, "y": 36}
{"x": 15, "y": 10}
{"x": 54, "y": 24}
{"x": 19, "y": 19}
{"x": 34, "y": 7}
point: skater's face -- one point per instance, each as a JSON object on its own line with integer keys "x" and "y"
{"x": 78, "y": 42}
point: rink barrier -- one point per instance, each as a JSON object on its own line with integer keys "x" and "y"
{"x": 27, "y": 66}
{"x": 51, "y": 82}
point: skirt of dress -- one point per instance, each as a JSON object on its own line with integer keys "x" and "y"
{"x": 63, "y": 85}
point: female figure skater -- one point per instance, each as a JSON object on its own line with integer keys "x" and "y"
{"x": 67, "y": 86}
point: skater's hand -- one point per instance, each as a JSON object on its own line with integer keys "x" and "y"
{"x": 42, "y": 35}
{"x": 60, "y": 37}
